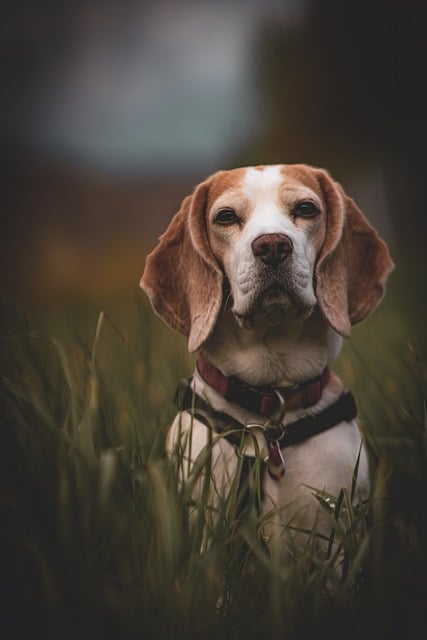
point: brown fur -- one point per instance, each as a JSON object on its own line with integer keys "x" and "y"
{"x": 353, "y": 263}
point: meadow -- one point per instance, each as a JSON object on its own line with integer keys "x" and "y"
{"x": 97, "y": 540}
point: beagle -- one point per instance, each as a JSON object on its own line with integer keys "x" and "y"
{"x": 266, "y": 269}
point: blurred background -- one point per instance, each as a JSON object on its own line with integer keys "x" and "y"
{"x": 112, "y": 111}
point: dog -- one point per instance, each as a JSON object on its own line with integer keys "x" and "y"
{"x": 265, "y": 269}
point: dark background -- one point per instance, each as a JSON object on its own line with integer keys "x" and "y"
{"x": 111, "y": 112}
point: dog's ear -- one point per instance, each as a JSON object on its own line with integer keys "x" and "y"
{"x": 181, "y": 276}
{"x": 353, "y": 264}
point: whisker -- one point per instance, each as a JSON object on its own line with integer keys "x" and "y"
{"x": 228, "y": 298}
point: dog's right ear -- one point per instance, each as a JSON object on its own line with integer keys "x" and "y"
{"x": 181, "y": 276}
{"x": 354, "y": 262}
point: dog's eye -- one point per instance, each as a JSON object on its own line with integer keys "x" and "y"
{"x": 226, "y": 216}
{"x": 305, "y": 210}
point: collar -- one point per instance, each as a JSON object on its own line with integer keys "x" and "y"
{"x": 277, "y": 436}
{"x": 263, "y": 400}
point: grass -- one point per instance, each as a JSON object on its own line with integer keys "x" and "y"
{"x": 101, "y": 541}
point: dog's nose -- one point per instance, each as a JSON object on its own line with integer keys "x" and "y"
{"x": 272, "y": 248}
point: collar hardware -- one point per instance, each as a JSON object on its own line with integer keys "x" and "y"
{"x": 275, "y": 461}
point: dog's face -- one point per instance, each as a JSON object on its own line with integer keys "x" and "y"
{"x": 266, "y": 227}
{"x": 272, "y": 242}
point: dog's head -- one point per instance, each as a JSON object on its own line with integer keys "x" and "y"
{"x": 270, "y": 242}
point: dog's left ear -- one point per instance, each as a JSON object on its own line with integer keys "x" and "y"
{"x": 353, "y": 264}
{"x": 181, "y": 276}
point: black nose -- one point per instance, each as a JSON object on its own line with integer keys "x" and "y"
{"x": 272, "y": 248}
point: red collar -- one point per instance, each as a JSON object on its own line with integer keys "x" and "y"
{"x": 263, "y": 400}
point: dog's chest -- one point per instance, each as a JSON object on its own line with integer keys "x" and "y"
{"x": 324, "y": 463}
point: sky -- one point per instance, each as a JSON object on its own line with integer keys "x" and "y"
{"x": 160, "y": 84}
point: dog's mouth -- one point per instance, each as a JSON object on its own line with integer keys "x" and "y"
{"x": 271, "y": 306}
{"x": 274, "y": 294}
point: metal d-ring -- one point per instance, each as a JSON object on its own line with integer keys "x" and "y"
{"x": 282, "y": 407}
{"x": 273, "y": 428}
{"x": 275, "y": 432}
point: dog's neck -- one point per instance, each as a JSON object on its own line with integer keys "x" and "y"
{"x": 286, "y": 354}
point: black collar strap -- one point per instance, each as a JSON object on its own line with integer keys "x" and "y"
{"x": 343, "y": 410}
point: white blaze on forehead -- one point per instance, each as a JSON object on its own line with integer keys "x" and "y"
{"x": 262, "y": 185}
{"x": 262, "y": 189}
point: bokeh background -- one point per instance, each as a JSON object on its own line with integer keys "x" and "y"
{"x": 113, "y": 111}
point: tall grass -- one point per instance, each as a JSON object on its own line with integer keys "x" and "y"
{"x": 100, "y": 540}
